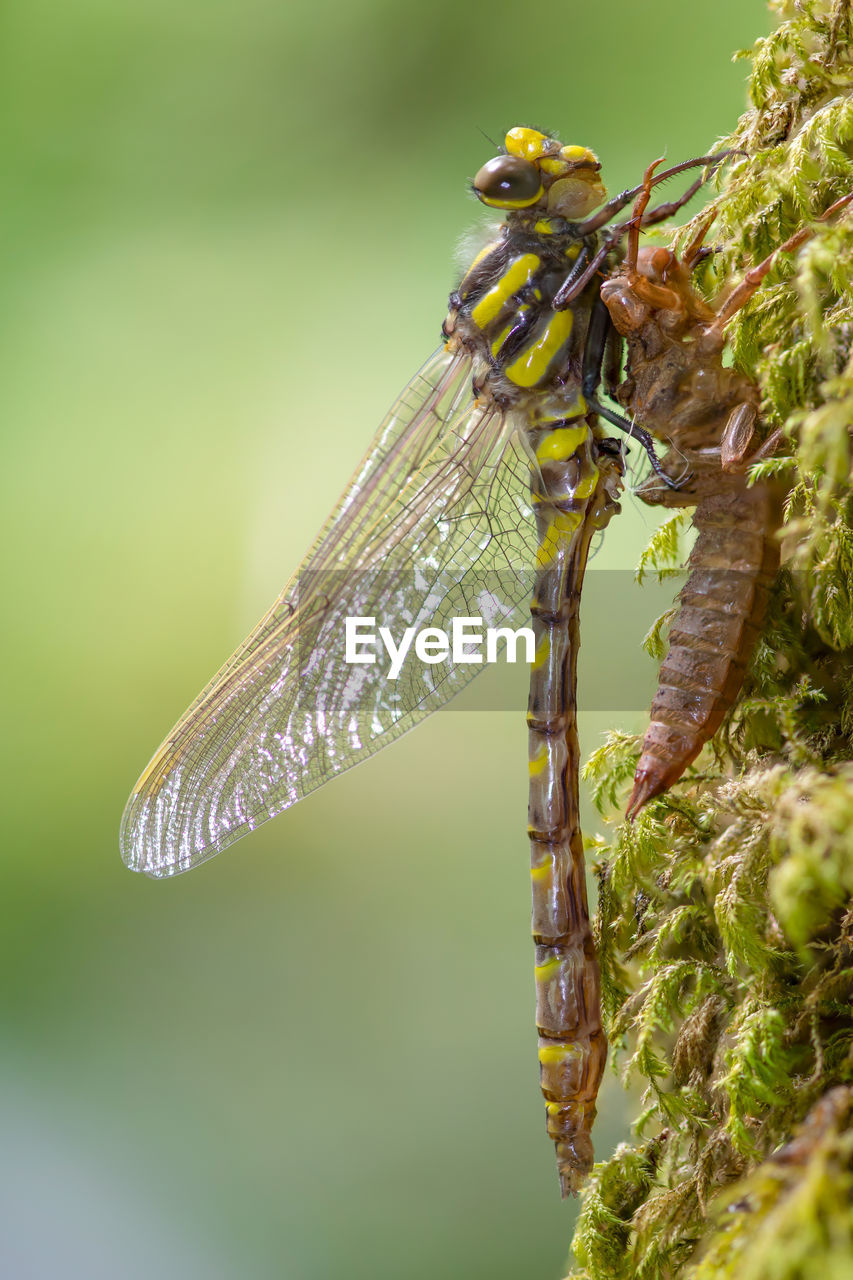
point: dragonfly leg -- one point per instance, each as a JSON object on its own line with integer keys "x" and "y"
{"x": 742, "y": 292}
{"x": 666, "y": 210}
{"x": 576, "y": 281}
{"x": 612, "y": 207}
{"x": 573, "y": 286}
{"x": 612, "y": 446}
{"x": 612, "y": 364}
{"x": 579, "y": 272}
{"x": 598, "y": 337}
{"x": 636, "y": 433}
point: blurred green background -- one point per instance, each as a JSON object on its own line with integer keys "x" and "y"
{"x": 227, "y": 230}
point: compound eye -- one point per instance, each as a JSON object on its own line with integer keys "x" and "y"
{"x": 508, "y": 182}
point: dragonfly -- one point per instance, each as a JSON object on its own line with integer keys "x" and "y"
{"x": 478, "y": 497}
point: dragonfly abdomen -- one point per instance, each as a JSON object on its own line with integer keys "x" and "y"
{"x": 572, "y": 1047}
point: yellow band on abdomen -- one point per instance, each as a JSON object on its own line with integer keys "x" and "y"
{"x": 560, "y": 444}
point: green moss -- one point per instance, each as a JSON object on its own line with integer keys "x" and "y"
{"x": 812, "y": 886}
{"x": 725, "y": 927}
{"x": 794, "y": 1215}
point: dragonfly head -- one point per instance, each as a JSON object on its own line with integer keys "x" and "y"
{"x": 538, "y": 172}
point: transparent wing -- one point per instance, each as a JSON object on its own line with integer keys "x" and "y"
{"x": 435, "y": 524}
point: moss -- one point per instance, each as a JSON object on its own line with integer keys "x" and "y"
{"x": 812, "y": 886}
{"x": 725, "y": 926}
{"x": 794, "y": 1215}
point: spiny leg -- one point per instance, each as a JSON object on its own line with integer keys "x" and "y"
{"x": 641, "y": 436}
{"x": 606, "y": 212}
{"x": 697, "y": 249}
{"x": 579, "y": 271}
{"x": 612, "y": 364}
{"x": 598, "y": 335}
{"x": 662, "y": 211}
{"x": 575, "y": 284}
{"x": 640, "y": 218}
{"x": 640, "y": 206}
{"x": 742, "y": 293}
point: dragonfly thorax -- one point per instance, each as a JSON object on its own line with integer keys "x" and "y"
{"x": 503, "y": 312}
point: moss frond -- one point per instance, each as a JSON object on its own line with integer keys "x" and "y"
{"x": 663, "y": 553}
{"x": 611, "y": 766}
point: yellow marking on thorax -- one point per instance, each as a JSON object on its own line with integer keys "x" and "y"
{"x": 498, "y": 342}
{"x": 573, "y": 251}
{"x": 518, "y": 318}
{"x": 560, "y": 444}
{"x": 516, "y": 276}
{"x": 531, "y": 366}
{"x": 484, "y": 253}
{"x": 539, "y": 763}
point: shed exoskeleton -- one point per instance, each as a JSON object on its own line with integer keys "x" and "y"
{"x": 679, "y": 389}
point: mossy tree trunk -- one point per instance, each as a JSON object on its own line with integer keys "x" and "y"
{"x": 725, "y": 925}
